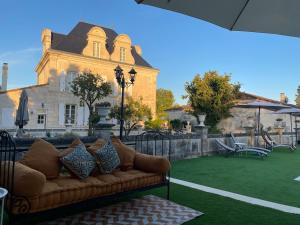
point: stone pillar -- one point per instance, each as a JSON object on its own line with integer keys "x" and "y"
{"x": 4, "y": 77}
{"x": 203, "y": 132}
{"x": 104, "y": 129}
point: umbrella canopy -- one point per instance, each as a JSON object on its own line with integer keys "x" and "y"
{"x": 22, "y": 117}
{"x": 265, "y": 16}
{"x": 262, "y": 104}
{"x": 292, "y": 112}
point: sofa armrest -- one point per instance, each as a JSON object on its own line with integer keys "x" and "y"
{"x": 152, "y": 164}
{"x": 27, "y": 182}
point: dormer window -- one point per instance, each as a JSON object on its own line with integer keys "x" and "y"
{"x": 96, "y": 49}
{"x": 122, "y": 54}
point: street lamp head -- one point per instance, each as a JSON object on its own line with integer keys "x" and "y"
{"x": 132, "y": 74}
{"x": 118, "y": 73}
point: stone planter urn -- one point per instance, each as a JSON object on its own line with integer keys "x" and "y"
{"x": 103, "y": 110}
{"x": 201, "y": 118}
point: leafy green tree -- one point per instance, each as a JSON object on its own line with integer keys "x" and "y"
{"x": 164, "y": 100}
{"x": 155, "y": 124}
{"x": 212, "y": 94}
{"x": 90, "y": 88}
{"x": 176, "y": 124}
{"x": 134, "y": 112}
{"x": 298, "y": 96}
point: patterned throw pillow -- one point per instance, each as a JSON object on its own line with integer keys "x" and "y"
{"x": 80, "y": 162}
{"x": 107, "y": 158}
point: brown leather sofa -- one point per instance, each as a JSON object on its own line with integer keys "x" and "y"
{"x": 37, "y": 194}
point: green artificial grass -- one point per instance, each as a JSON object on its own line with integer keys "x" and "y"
{"x": 269, "y": 179}
{"x": 225, "y": 211}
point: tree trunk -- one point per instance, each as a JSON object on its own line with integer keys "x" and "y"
{"x": 90, "y": 131}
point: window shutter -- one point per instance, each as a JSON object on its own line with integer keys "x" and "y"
{"x": 86, "y": 115}
{"x": 62, "y": 81}
{"x": 61, "y": 114}
{"x": 0, "y": 118}
{"x": 80, "y": 116}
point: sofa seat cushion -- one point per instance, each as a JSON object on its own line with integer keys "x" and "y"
{"x": 67, "y": 190}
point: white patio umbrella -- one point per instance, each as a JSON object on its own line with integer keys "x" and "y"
{"x": 259, "y": 105}
{"x": 22, "y": 117}
{"x": 265, "y": 16}
{"x": 292, "y": 112}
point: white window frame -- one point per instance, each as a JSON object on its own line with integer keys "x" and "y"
{"x": 43, "y": 119}
{"x": 70, "y": 113}
{"x": 69, "y": 79}
{"x": 96, "y": 49}
{"x": 122, "y": 54}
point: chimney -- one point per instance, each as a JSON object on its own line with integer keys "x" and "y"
{"x": 46, "y": 39}
{"x": 283, "y": 98}
{"x": 4, "y": 76}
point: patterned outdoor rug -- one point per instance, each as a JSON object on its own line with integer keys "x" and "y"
{"x": 149, "y": 209}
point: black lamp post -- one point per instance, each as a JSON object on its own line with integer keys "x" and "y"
{"x": 123, "y": 83}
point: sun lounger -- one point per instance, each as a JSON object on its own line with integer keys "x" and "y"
{"x": 222, "y": 147}
{"x": 241, "y": 145}
{"x": 271, "y": 144}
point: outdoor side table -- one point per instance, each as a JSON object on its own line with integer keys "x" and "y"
{"x": 3, "y": 193}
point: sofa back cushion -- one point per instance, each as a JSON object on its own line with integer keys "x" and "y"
{"x": 126, "y": 154}
{"x": 44, "y": 157}
{"x": 27, "y": 182}
{"x": 79, "y": 162}
{"x": 107, "y": 158}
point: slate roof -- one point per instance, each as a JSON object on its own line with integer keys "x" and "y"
{"x": 76, "y": 40}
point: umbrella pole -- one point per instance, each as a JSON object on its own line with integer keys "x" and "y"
{"x": 258, "y": 127}
{"x": 291, "y": 128}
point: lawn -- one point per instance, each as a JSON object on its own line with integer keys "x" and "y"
{"x": 224, "y": 211}
{"x": 269, "y": 179}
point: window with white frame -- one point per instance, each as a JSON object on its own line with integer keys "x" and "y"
{"x": 41, "y": 119}
{"x": 70, "y": 114}
{"x": 96, "y": 49}
{"x": 122, "y": 54}
{"x": 69, "y": 79}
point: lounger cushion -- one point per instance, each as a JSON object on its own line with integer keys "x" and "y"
{"x": 44, "y": 157}
{"x": 99, "y": 143}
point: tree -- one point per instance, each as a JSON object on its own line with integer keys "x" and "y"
{"x": 90, "y": 88}
{"x": 164, "y": 100}
{"x": 213, "y": 94}
{"x": 298, "y": 96}
{"x": 134, "y": 112}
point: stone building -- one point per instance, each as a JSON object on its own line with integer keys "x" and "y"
{"x": 87, "y": 47}
{"x": 241, "y": 117}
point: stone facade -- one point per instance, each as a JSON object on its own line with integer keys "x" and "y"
{"x": 241, "y": 117}
{"x": 87, "y": 47}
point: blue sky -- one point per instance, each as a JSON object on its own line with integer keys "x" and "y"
{"x": 178, "y": 45}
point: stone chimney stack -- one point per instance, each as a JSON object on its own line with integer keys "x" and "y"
{"x": 4, "y": 77}
{"x": 283, "y": 98}
{"x": 46, "y": 39}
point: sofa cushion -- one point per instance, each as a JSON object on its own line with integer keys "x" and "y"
{"x": 107, "y": 158}
{"x": 70, "y": 148}
{"x": 27, "y": 182}
{"x": 79, "y": 162}
{"x": 44, "y": 157}
{"x": 126, "y": 154}
{"x": 151, "y": 164}
{"x": 66, "y": 190}
{"x": 99, "y": 143}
